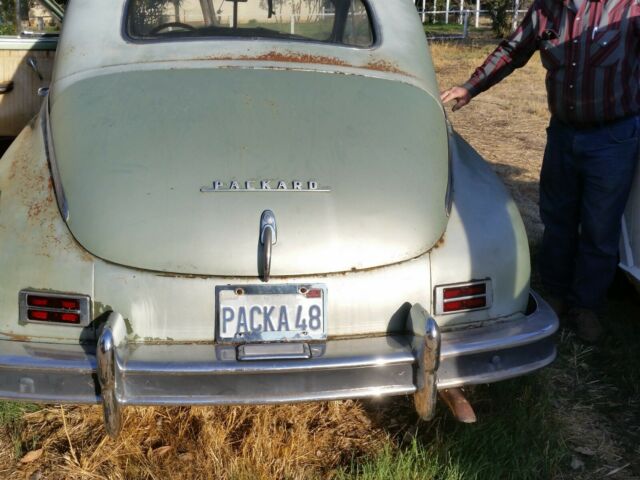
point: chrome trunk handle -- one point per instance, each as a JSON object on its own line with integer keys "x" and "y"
{"x": 268, "y": 238}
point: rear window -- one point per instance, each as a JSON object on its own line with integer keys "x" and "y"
{"x": 345, "y": 22}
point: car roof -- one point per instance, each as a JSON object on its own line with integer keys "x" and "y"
{"x": 93, "y": 43}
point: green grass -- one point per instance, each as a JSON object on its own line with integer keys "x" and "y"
{"x": 11, "y": 412}
{"x": 452, "y": 28}
{"x": 11, "y": 423}
{"x": 615, "y": 365}
{"x": 516, "y": 437}
{"x": 7, "y": 29}
{"x": 444, "y": 29}
{"x": 620, "y": 353}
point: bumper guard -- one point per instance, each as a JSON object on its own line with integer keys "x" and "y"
{"x": 118, "y": 374}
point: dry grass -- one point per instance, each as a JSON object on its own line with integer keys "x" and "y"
{"x": 294, "y": 441}
{"x": 584, "y": 398}
{"x": 506, "y": 124}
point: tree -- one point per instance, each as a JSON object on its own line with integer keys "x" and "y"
{"x": 500, "y": 18}
{"x": 149, "y": 13}
{"x": 8, "y": 15}
{"x": 313, "y": 7}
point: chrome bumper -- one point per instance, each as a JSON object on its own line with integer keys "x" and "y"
{"x": 119, "y": 374}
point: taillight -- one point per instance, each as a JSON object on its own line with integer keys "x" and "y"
{"x": 462, "y": 297}
{"x": 63, "y": 309}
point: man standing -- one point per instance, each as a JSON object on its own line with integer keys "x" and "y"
{"x": 591, "y": 52}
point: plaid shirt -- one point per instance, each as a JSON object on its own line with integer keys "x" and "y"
{"x": 591, "y": 53}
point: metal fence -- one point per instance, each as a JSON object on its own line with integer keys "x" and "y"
{"x": 463, "y": 18}
{"x": 430, "y": 7}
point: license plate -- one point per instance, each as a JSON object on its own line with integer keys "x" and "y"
{"x": 271, "y": 313}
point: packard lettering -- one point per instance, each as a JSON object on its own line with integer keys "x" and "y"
{"x": 264, "y": 186}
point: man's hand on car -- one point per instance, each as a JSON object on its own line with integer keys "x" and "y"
{"x": 460, "y": 94}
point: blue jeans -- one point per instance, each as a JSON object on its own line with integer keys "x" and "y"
{"x": 584, "y": 185}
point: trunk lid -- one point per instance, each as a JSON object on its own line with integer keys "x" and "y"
{"x": 135, "y": 148}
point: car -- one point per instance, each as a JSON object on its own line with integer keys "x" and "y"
{"x": 27, "y": 50}
{"x": 630, "y": 239}
{"x": 255, "y": 205}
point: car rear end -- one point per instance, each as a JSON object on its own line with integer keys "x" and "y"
{"x": 198, "y": 220}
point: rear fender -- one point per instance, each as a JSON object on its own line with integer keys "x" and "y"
{"x": 485, "y": 238}
{"x": 38, "y": 251}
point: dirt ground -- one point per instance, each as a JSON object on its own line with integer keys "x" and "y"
{"x": 599, "y": 417}
{"x": 507, "y": 125}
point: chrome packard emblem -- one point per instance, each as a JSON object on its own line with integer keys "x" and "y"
{"x": 264, "y": 186}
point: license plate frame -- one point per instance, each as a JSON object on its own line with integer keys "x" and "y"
{"x": 225, "y": 294}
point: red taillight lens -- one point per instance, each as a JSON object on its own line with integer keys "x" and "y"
{"x": 55, "y": 307}
{"x": 467, "y": 291}
{"x": 463, "y": 297}
{"x": 468, "y": 304}
{"x": 53, "y": 302}
{"x": 38, "y": 302}
{"x": 48, "y": 316}
{"x": 38, "y": 315}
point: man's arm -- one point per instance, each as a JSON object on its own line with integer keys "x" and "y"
{"x": 512, "y": 53}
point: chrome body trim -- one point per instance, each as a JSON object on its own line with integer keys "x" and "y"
{"x": 24, "y": 42}
{"x": 208, "y": 374}
{"x": 253, "y": 352}
{"x": 51, "y": 158}
{"x": 256, "y": 190}
{"x": 450, "y": 181}
{"x": 262, "y": 186}
{"x": 83, "y": 300}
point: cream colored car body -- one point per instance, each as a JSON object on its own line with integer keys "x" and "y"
{"x": 134, "y": 232}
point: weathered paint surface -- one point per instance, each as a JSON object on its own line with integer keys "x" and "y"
{"x": 37, "y": 249}
{"x": 159, "y": 307}
{"x": 485, "y": 238}
{"x": 400, "y": 54}
{"x": 44, "y": 255}
{"x": 380, "y": 146}
{"x": 167, "y": 308}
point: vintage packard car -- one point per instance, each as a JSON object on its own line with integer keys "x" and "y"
{"x": 27, "y": 49}
{"x": 254, "y": 204}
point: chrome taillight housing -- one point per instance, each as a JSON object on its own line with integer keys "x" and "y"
{"x": 56, "y": 308}
{"x": 463, "y": 297}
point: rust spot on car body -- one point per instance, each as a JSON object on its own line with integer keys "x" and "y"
{"x": 31, "y": 190}
{"x": 384, "y": 66}
{"x": 38, "y": 208}
{"x": 15, "y": 338}
{"x": 274, "y": 56}
{"x": 285, "y": 57}
{"x": 379, "y": 65}
{"x": 440, "y": 242}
